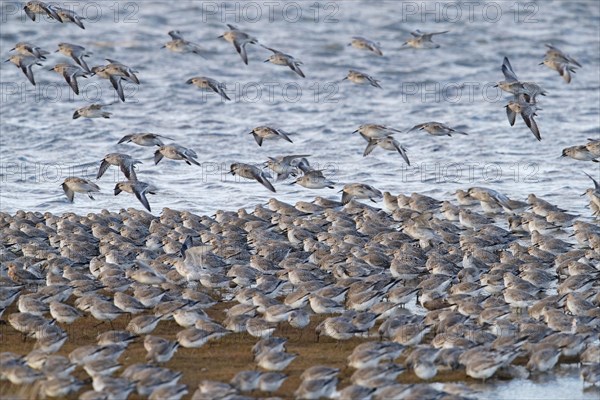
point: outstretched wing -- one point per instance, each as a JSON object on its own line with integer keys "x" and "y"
{"x": 532, "y": 126}
{"x": 508, "y": 72}
{"x": 28, "y": 73}
{"x": 265, "y": 182}
{"x": 402, "y": 151}
{"x": 157, "y": 157}
{"x": 241, "y": 51}
{"x": 72, "y": 81}
{"x": 70, "y": 194}
{"x": 125, "y": 139}
{"x": 511, "y": 116}
{"x": 116, "y": 82}
{"x": 103, "y": 167}
{"x": 141, "y": 196}
{"x": 283, "y": 135}
{"x": 596, "y": 184}
{"x": 370, "y": 146}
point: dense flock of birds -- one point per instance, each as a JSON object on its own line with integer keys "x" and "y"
{"x": 486, "y": 284}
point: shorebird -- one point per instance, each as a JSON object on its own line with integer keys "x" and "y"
{"x": 581, "y": 153}
{"x": 527, "y": 111}
{"x": 76, "y": 52}
{"x": 176, "y": 152}
{"x": 239, "y": 39}
{"x": 144, "y": 139}
{"x": 436, "y": 129}
{"x": 314, "y": 179}
{"x": 25, "y": 63}
{"x": 261, "y": 133}
{"x": 139, "y": 189}
{"x": 284, "y": 166}
{"x": 361, "y": 43}
{"x": 209, "y": 84}
{"x": 359, "y": 191}
{"x": 66, "y": 15}
{"x": 251, "y": 172}
{"x": 39, "y": 7}
{"x": 115, "y": 72}
{"x": 124, "y": 161}
{"x": 70, "y": 72}
{"x": 279, "y": 58}
{"x": 512, "y": 84}
{"x": 375, "y": 131}
{"x": 74, "y": 185}
{"x": 92, "y": 111}
{"x": 560, "y": 62}
{"x": 422, "y": 40}
{"x": 387, "y": 143}
{"x": 361, "y": 78}
{"x": 28, "y": 49}
{"x": 178, "y": 44}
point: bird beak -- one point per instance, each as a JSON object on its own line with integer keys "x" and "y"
{"x": 541, "y": 63}
{"x": 355, "y": 131}
{"x": 292, "y": 183}
{"x": 404, "y": 44}
{"x": 51, "y": 69}
{"x": 219, "y": 37}
{"x": 583, "y": 194}
{"x": 12, "y": 49}
{"x": 495, "y": 85}
{"x": 56, "y": 51}
{"x": 163, "y": 46}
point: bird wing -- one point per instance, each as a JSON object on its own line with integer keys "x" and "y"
{"x": 511, "y": 116}
{"x": 175, "y": 35}
{"x": 28, "y": 73}
{"x": 103, "y": 167}
{"x": 294, "y": 66}
{"x": 530, "y": 122}
{"x": 241, "y": 51}
{"x": 283, "y": 135}
{"x": 402, "y": 151}
{"x": 265, "y": 182}
{"x": 157, "y": 157}
{"x": 72, "y": 81}
{"x": 116, "y": 82}
{"x": 125, "y": 139}
{"x": 596, "y": 184}
{"x": 508, "y": 72}
{"x": 141, "y": 196}
{"x": 70, "y": 194}
{"x": 30, "y": 13}
{"x": 258, "y": 139}
{"x": 370, "y": 146}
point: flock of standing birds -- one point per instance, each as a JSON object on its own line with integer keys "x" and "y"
{"x": 442, "y": 285}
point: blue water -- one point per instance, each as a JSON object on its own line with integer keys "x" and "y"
{"x": 42, "y": 144}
